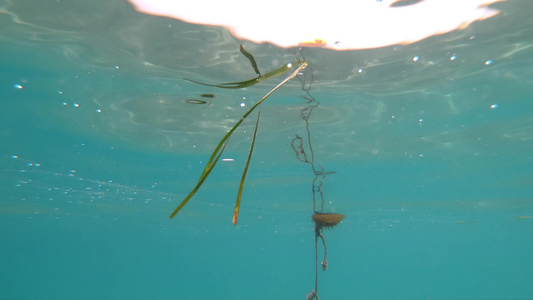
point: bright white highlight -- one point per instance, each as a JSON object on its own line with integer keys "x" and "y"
{"x": 335, "y": 24}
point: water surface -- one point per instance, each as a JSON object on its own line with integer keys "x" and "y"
{"x": 431, "y": 143}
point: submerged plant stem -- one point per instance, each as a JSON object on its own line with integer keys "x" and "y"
{"x": 250, "y": 82}
{"x": 251, "y": 59}
{"x": 222, "y": 144}
{"x": 239, "y": 194}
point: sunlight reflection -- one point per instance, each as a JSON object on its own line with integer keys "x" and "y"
{"x": 341, "y": 25}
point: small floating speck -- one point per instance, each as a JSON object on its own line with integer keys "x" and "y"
{"x": 243, "y": 104}
{"x": 493, "y": 106}
{"x": 195, "y": 101}
{"x": 18, "y": 86}
{"x": 488, "y": 62}
{"x": 453, "y": 57}
{"x": 416, "y": 58}
{"x": 76, "y": 105}
{"x": 116, "y": 67}
{"x": 228, "y": 160}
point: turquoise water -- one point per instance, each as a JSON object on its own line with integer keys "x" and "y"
{"x": 431, "y": 144}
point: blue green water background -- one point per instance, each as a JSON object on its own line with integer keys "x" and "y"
{"x": 432, "y": 145}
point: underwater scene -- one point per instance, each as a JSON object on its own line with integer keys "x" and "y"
{"x": 367, "y": 152}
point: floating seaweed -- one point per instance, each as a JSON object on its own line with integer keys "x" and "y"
{"x": 326, "y": 220}
{"x": 215, "y": 156}
{"x": 246, "y": 83}
{"x": 199, "y": 101}
{"x": 195, "y": 101}
{"x": 320, "y": 218}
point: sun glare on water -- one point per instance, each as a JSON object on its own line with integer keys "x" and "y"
{"x": 339, "y": 25}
